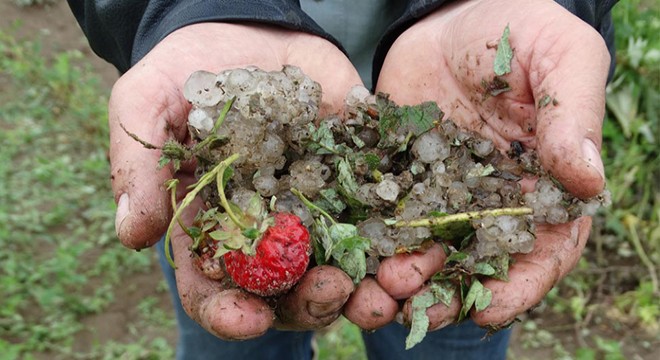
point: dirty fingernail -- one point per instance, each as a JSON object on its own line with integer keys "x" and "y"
{"x": 320, "y": 310}
{"x": 122, "y": 212}
{"x": 591, "y": 155}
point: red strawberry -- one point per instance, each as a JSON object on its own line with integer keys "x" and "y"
{"x": 281, "y": 258}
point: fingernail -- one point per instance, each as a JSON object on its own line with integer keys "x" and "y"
{"x": 122, "y": 212}
{"x": 320, "y": 310}
{"x": 591, "y": 155}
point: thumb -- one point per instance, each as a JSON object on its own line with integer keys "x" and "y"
{"x": 143, "y": 206}
{"x": 568, "y": 83}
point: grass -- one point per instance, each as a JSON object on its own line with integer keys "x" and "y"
{"x": 62, "y": 265}
{"x": 60, "y": 260}
{"x": 614, "y": 290}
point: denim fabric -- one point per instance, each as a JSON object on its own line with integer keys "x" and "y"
{"x": 464, "y": 341}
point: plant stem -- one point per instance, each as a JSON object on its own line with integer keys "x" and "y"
{"x": 466, "y": 216}
{"x": 220, "y": 181}
{"x": 205, "y": 180}
{"x": 631, "y": 221}
{"x": 221, "y": 119}
{"x": 311, "y": 205}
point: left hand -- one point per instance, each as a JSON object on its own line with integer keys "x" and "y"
{"x": 444, "y": 58}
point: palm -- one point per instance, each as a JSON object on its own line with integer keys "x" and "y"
{"x": 453, "y": 67}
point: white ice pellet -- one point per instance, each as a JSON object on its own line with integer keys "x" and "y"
{"x": 418, "y": 188}
{"x": 240, "y": 81}
{"x": 507, "y": 224}
{"x": 266, "y": 185}
{"x": 483, "y": 147}
{"x": 388, "y": 190}
{"x": 522, "y": 243}
{"x": 372, "y": 264}
{"x": 430, "y": 147}
{"x": 200, "y": 120}
{"x": 201, "y": 90}
{"x": 556, "y": 215}
{"x": 413, "y": 209}
{"x": 357, "y": 96}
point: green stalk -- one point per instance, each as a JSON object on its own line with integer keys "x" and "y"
{"x": 462, "y": 217}
{"x": 311, "y": 205}
{"x": 220, "y": 181}
{"x": 205, "y": 180}
{"x": 221, "y": 119}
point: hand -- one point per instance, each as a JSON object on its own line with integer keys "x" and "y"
{"x": 444, "y": 58}
{"x": 148, "y": 101}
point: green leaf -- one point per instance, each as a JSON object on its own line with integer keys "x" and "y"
{"x": 456, "y": 257}
{"x": 388, "y": 120}
{"x": 323, "y": 141}
{"x": 585, "y": 354}
{"x": 341, "y": 231}
{"x": 348, "y": 249}
{"x": 444, "y": 291}
{"x": 452, "y": 230}
{"x": 256, "y": 207}
{"x": 420, "y": 118}
{"x": 503, "y": 55}
{"x": 330, "y": 201}
{"x": 483, "y": 269}
{"x": 322, "y": 241}
{"x": 251, "y": 233}
{"x": 501, "y": 265}
{"x": 346, "y": 183}
{"x": 477, "y": 296}
{"x": 420, "y": 321}
{"x": 354, "y": 264}
{"x": 483, "y": 299}
{"x": 220, "y": 235}
{"x": 227, "y": 174}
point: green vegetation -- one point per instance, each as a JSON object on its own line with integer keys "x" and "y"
{"x": 61, "y": 261}
{"x": 614, "y": 290}
{"x": 62, "y": 266}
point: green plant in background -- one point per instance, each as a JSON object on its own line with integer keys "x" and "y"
{"x": 631, "y": 148}
{"x": 617, "y": 280}
{"x": 60, "y": 258}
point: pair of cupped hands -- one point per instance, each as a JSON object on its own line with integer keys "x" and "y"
{"x": 443, "y": 58}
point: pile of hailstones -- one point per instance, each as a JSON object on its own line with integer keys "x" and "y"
{"x": 272, "y": 124}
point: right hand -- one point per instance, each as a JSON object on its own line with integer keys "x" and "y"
{"x": 148, "y": 100}
{"x": 445, "y": 58}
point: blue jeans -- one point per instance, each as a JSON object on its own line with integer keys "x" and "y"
{"x": 464, "y": 341}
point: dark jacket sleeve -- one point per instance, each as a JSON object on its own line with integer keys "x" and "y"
{"x": 594, "y": 12}
{"x": 122, "y": 32}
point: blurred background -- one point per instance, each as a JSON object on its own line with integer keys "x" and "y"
{"x": 69, "y": 290}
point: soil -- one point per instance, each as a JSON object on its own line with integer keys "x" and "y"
{"x": 59, "y": 31}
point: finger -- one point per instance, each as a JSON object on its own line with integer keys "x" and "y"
{"x": 440, "y": 315}
{"x": 143, "y": 210}
{"x": 568, "y": 74}
{"x": 403, "y": 275}
{"x": 316, "y": 301}
{"x": 557, "y": 250}
{"x": 370, "y": 307}
{"x": 229, "y": 314}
